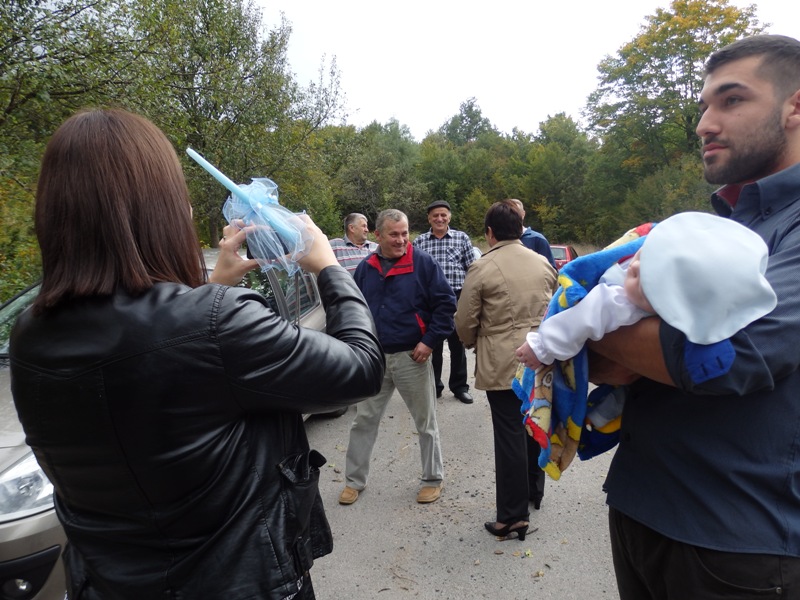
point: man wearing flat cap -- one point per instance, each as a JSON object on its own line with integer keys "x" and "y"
{"x": 452, "y": 249}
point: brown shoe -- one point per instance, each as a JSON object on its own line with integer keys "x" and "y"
{"x": 430, "y": 493}
{"x": 348, "y": 495}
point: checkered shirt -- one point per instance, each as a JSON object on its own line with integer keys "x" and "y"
{"x": 348, "y": 254}
{"x": 453, "y": 252}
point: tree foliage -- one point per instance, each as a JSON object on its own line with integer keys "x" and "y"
{"x": 212, "y": 76}
{"x": 220, "y": 83}
{"x": 467, "y": 125}
{"x": 380, "y": 173}
{"x": 647, "y": 97}
{"x": 55, "y": 57}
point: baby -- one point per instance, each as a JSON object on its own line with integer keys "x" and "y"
{"x": 702, "y": 274}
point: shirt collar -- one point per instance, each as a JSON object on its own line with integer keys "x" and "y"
{"x": 349, "y": 242}
{"x": 446, "y": 233}
{"x": 767, "y": 195}
{"x": 379, "y": 253}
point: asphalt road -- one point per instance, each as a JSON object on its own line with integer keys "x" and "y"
{"x": 386, "y": 546}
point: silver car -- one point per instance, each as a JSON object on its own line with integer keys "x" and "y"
{"x": 31, "y": 538}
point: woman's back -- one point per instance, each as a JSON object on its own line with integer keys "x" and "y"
{"x": 505, "y": 296}
{"x": 167, "y": 413}
{"x": 161, "y": 421}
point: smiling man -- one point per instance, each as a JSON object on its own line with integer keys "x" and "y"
{"x": 413, "y": 306}
{"x": 452, "y": 249}
{"x": 703, "y": 488}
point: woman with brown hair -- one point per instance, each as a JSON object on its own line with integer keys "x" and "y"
{"x": 167, "y": 412}
{"x": 505, "y": 296}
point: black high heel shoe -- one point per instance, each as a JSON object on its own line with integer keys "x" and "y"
{"x": 504, "y": 532}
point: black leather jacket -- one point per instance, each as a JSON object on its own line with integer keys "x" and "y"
{"x": 170, "y": 425}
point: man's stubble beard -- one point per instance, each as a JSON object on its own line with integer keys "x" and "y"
{"x": 758, "y": 157}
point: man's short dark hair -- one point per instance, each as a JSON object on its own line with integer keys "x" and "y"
{"x": 780, "y": 65}
{"x": 504, "y": 219}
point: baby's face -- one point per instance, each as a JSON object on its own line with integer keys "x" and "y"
{"x": 633, "y": 285}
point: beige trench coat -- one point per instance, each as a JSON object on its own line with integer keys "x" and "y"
{"x": 505, "y": 295}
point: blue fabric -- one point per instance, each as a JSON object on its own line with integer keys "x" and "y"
{"x": 594, "y": 441}
{"x": 726, "y": 450}
{"x": 411, "y": 303}
{"x": 538, "y": 243}
{"x": 704, "y": 362}
{"x": 565, "y": 396}
{"x": 576, "y": 279}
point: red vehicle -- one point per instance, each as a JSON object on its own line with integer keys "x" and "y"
{"x": 562, "y": 254}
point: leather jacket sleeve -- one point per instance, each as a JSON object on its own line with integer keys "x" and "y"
{"x": 275, "y": 365}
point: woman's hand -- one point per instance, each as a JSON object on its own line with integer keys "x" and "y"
{"x": 231, "y": 267}
{"x": 320, "y": 255}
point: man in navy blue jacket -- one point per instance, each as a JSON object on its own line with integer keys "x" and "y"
{"x": 533, "y": 240}
{"x": 412, "y": 305}
{"x": 704, "y": 487}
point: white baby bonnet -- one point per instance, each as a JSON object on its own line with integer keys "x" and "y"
{"x": 704, "y": 275}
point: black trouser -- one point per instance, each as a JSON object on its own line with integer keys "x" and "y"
{"x": 458, "y": 363}
{"x": 518, "y": 478}
{"x": 650, "y": 566}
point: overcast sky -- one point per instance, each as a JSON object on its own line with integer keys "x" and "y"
{"x": 419, "y": 60}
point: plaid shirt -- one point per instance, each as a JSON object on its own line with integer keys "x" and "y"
{"x": 348, "y": 254}
{"x": 453, "y": 252}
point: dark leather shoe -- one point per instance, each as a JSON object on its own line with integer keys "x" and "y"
{"x": 438, "y": 393}
{"x": 464, "y": 397}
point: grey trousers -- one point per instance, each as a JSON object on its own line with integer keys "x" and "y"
{"x": 414, "y": 381}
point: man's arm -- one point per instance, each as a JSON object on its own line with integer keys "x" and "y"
{"x": 633, "y": 350}
{"x": 541, "y": 246}
{"x": 441, "y": 302}
{"x": 467, "y": 254}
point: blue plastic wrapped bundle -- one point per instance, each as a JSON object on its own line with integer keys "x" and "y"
{"x": 276, "y": 237}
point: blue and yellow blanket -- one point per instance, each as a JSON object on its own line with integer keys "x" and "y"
{"x": 554, "y": 397}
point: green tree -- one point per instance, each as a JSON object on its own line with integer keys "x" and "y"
{"x": 472, "y": 216}
{"x": 647, "y": 97}
{"x": 312, "y": 182}
{"x": 467, "y": 125}
{"x": 440, "y": 168}
{"x": 678, "y": 187}
{"x": 55, "y": 57}
{"x": 458, "y": 162}
{"x": 219, "y": 82}
{"x": 381, "y": 174}
{"x": 554, "y": 188}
